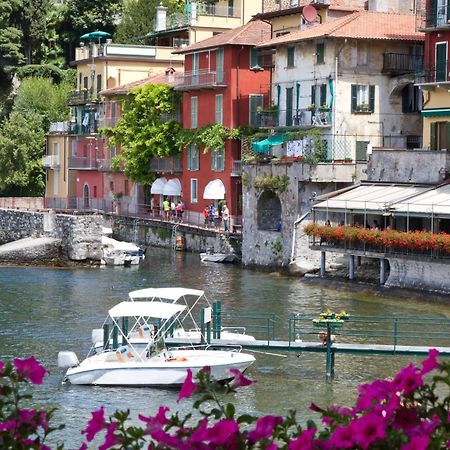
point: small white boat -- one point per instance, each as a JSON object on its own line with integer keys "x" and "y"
{"x": 120, "y": 253}
{"x": 211, "y": 256}
{"x": 155, "y": 365}
{"x": 193, "y": 300}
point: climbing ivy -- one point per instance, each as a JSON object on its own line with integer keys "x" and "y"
{"x": 276, "y": 183}
{"x": 211, "y": 137}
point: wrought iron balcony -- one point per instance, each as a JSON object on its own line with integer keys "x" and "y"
{"x": 59, "y": 127}
{"x": 80, "y": 128}
{"x": 301, "y": 118}
{"x": 434, "y": 75}
{"x": 202, "y": 79}
{"x": 50, "y": 162}
{"x": 75, "y": 162}
{"x": 398, "y": 63}
{"x": 430, "y": 18}
{"x": 81, "y": 97}
{"x": 167, "y": 164}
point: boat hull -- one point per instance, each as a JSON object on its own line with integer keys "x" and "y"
{"x": 167, "y": 369}
{"x": 218, "y": 257}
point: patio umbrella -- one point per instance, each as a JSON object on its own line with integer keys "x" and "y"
{"x": 96, "y": 35}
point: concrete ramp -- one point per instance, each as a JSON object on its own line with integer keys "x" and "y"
{"x": 32, "y": 251}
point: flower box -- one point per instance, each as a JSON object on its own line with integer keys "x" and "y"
{"x": 325, "y": 323}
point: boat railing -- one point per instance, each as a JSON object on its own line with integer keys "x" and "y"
{"x": 241, "y": 330}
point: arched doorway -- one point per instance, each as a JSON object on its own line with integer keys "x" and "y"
{"x": 86, "y": 197}
{"x": 269, "y": 211}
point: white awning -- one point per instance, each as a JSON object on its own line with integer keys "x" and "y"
{"x": 172, "y": 294}
{"x": 214, "y": 190}
{"x": 434, "y": 202}
{"x": 374, "y": 198}
{"x": 158, "y": 186}
{"x": 157, "y": 310}
{"x": 172, "y": 187}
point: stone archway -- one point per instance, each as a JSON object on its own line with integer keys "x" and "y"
{"x": 269, "y": 211}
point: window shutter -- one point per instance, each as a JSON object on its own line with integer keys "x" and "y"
{"x": 253, "y": 57}
{"x": 447, "y": 136}
{"x": 320, "y": 53}
{"x": 313, "y": 94}
{"x": 194, "y": 112}
{"x": 219, "y": 65}
{"x": 432, "y": 13}
{"x": 372, "y": 98}
{"x": 406, "y": 100}
{"x": 323, "y": 94}
{"x": 433, "y": 136}
{"x": 361, "y": 150}
{"x": 354, "y": 97}
{"x": 448, "y": 10}
{"x": 219, "y": 108}
{"x": 255, "y": 101}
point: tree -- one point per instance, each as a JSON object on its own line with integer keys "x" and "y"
{"x": 138, "y": 16}
{"x": 10, "y": 36}
{"x": 41, "y": 96}
{"x": 146, "y": 130}
{"x": 33, "y": 20}
{"x": 89, "y": 15}
{"x": 22, "y": 144}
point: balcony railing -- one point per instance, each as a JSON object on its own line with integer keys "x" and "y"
{"x": 202, "y": 79}
{"x": 104, "y": 165}
{"x": 236, "y": 169}
{"x": 278, "y": 5}
{"x": 80, "y": 128}
{"x": 439, "y": 18}
{"x": 438, "y": 74}
{"x": 107, "y": 122}
{"x": 398, "y": 63}
{"x": 82, "y": 96}
{"x": 212, "y": 9}
{"x": 75, "y": 162}
{"x": 294, "y": 118}
{"x": 50, "y": 161}
{"x": 168, "y": 164}
{"x": 59, "y": 127}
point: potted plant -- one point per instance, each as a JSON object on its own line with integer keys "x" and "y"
{"x": 311, "y": 107}
{"x": 324, "y": 108}
{"x": 363, "y": 107}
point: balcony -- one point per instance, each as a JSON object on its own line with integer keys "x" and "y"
{"x": 80, "y": 128}
{"x": 301, "y": 118}
{"x": 280, "y": 5}
{"x": 167, "y": 164}
{"x": 50, "y": 162}
{"x": 83, "y": 163}
{"x": 432, "y": 76}
{"x": 398, "y": 64}
{"x": 236, "y": 169}
{"x": 81, "y": 97}
{"x": 104, "y": 165}
{"x": 431, "y": 20}
{"x": 108, "y": 122}
{"x": 59, "y": 128}
{"x": 202, "y": 79}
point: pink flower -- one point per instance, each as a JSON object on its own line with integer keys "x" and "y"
{"x": 374, "y": 393}
{"x": 30, "y": 369}
{"x": 304, "y": 441}
{"x": 342, "y": 437}
{"x": 188, "y": 387}
{"x": 405, "y": 419}
{"x": 369, "y": 429}
{"x": 408, "y": 379}
{"x": 430, "y": 363}
{"x": 417, "y": 443}
{"x": 448, "y": 417}
{"x": 157, "y": 422}
{"x": 96, "y": 424}
{"x": 200, "y": 434}
{"x": 7, "y": 425}
{"x": 110, "y": 439}
{"x": 162, "y": 437}
{"x": 239, "y": 379}
{"x": 264, "y": 428}
{"x": 83, "y": 446}
{"x": 222, "y": 433}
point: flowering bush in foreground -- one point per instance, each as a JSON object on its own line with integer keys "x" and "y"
{"x": 403, "y": 413}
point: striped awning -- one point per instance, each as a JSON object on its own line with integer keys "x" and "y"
{"x": 436, "y": 112}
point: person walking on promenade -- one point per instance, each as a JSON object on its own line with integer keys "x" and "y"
{"x": 206, "y": 216}
{"x": 166, "y": 208}
{"x": 226, "y": 218}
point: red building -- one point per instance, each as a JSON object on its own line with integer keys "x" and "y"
{"x": 222, "y": 83}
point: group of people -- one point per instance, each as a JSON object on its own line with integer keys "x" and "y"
{"x": 214, "y": 215}
{"x": 173, "y": 211}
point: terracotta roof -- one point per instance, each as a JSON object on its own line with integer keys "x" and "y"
{"x": 252, "y": 33}
{"x": 161, "y": 78}
{"x": 358, "y": 25}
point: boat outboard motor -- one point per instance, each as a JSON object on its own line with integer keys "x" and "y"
{"x": 66, "y": 360}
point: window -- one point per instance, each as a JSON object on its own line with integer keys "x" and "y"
{"x": 323, "y": 95}
{"x": 193, "y": 162}
{"x": 313, "y": 95}
{"x": 99, "y": 83}
{"x": 194, "y": 190}
{"x": 290, "y": 57}
{"x": 195, "y": 60}
{"x": 255, "y": 59}
{"x": 126, "y": 188}
{"x": 194, "y": 112}
{"x": 85, "y": 150}
{"x": 85, "y": 82}
{"x": 112, "y": 111}
{"x": 219, "y": 65}
{"x": 112, "y": 149}
{"x": 218, "y": 160}
{"x": 320, "y": 53}
{"x": 363, "y": 98}
{"x": 255, "y": 102}
{"x": 95, "y": 191}
{"x": 111, "y": 186}
{"x": 219, "y": 108}
{"x": 289, "y": 103}
{"x": 361, "y": 150}
{"x": 80, "y": 80}
{"x": 442, "y": 12}
{"x": 411, "y": 99}
{"x": 74, "y": 148}
{"x": 441, "y": 61}
{"x": 440, "y": 136}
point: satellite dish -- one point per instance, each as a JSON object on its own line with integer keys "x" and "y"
{"x": 309, "y": 13}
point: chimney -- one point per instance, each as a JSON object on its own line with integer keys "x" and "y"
{"x": 161, "y": 18}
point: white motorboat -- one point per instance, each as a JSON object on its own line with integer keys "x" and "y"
{"x": 193, "y": 300}
{"x": 211, "y": 256}
{"x": 155, "y": 365}
{"x": 120, "y": 253}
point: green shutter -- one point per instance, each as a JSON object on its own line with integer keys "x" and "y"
{"x": 446, "y": 144}
{"x": 289, "y": 104}
{"x": 219, "y": 65}
{"x": 361, "y": 150}
{"x": 255, "y": 102}
{"x": 323, "y": 95}
{"x": 219, "y": 108}
{"x": 320, "y": 53}
{"x": 433, "y": 136}
{"x": 253, "y": 57}
{"x": 372, "y": 98}
{"x": 432, "y": 13}
{"x": 441, "y": 62}
{"x": 313, "y": 95}
{"x": 354, "y": 103}
{"x": 290, "y": 56}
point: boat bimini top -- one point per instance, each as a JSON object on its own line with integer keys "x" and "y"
{"x": 156, "y": 310}
{"x": 174, "y": 294}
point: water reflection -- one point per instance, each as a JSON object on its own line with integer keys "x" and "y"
{"x": 47, "y": 310}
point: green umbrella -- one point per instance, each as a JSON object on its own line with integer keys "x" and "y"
{"x": 95, "y": 35}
